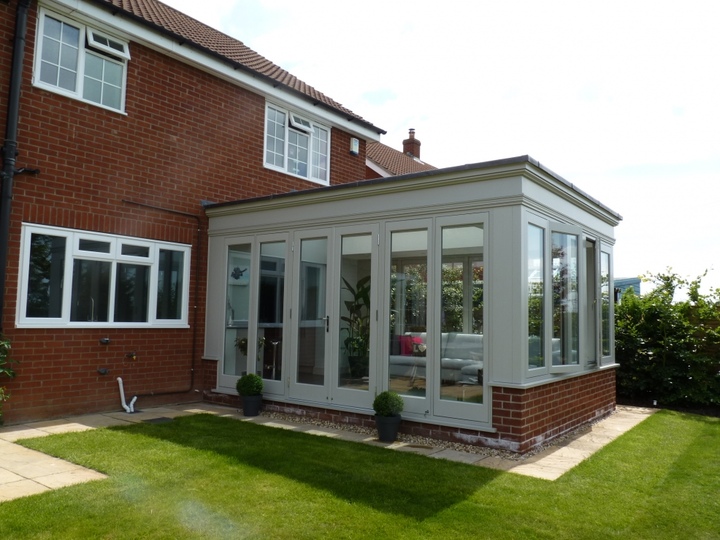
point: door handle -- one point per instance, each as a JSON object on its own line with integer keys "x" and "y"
{"x": 326, "y": 318}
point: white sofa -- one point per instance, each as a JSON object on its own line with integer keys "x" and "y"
{"x": 461, "y": 357}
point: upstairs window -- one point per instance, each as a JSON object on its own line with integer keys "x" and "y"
{"x": 296, "y": 145}
{"x": 81, "y": 62}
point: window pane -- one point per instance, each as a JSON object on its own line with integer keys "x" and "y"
{"x": 112, "y": 97}
{"x": 135, "y": 251}
{"x": 46, "y": 276}
{"x": 536, "y": 296}
{"x": 93, "y": 66}
{"x": 408, "y": 312}
{"x": 565, "y": 299}
{"x": 69, "y": 58}
{"x": 67, "y": 79}
{"x": 51, "y": 52}
{"x": 170, "y": 284}
{"x": 270, "y": 310}
{"x": 70, "y": 35}
{"x": 49, "y": 73}
{"x": 90, "y": 291}
{"x": 461, "y": 341}
{"x": 97, "y": 246}
{"x": 605, "y": 299}
{"x": 92, "y": 90}
{"x": 131, "y": 292}
{"x": 238, "y": 348}
{"x": 355, "y": 310}
{"x": 52, "y": 28}
{"x": 113, "y": 74}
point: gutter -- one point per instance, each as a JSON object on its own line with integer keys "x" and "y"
{"x": 9, "y": 149}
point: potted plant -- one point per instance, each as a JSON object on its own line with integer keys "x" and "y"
{"x": 250, "y": 387}
{"x": 388, "y": 405}
{"x": 357, "y": 326}
{"x": 5, "y": 369}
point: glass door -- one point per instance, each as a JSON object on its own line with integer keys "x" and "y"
{"x": 410, "y": 344}
{"x": 270, "y": 328}
{"x": 354, "y": 367}
{"x": 460, "y": 368}
{"x": 237, "y": 349}
{"x": 311, "y": 317}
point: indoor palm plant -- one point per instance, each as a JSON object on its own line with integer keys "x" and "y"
{"x": 357, "y": 326}
{"x": 250, "y": 387}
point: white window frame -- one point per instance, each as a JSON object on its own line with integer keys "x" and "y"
{"x": 115, "y": 257}
{"x": 308, "y": 128}
{"x": 117, "y": 52}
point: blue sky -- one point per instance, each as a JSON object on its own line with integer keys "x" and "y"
{"x": 620, "y": 98}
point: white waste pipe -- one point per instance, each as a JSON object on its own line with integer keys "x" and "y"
{"x": 128, "y": 408}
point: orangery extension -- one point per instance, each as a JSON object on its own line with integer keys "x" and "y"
{"x": 481, "y": 293}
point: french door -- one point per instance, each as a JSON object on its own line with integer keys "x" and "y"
{"x": 311, "y": 316}
{"x": 334, "y": 316}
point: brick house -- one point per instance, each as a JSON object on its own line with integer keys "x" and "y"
{"x": 199, "y": 213}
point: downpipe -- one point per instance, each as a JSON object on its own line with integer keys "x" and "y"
{"x": 128, "y": 408}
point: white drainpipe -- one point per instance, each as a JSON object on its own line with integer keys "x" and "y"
{"x": 128, "y": 408}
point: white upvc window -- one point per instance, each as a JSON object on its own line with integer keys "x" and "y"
{"x": 296, "y": 145}
{"x": 78, "y": 278}
{"x": 80, "y": 62}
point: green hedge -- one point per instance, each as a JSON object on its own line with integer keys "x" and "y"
{"x": 669, "y": 349}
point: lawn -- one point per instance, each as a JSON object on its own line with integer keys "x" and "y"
{"x": 207, "y": 477}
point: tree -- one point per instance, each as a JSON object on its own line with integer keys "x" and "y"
{"x": 668, "y": 350}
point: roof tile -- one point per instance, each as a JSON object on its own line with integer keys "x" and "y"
{"x": 185, "y": 28}
{"x": 394, "y": 161}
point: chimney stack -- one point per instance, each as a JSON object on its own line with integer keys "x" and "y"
{"x": 411, "y": 145}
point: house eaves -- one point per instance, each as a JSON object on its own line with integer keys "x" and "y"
{"x": 186, "y": 31}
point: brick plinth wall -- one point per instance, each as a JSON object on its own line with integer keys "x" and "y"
{"x": 524, "y": 418}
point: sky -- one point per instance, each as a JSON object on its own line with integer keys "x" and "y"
{"x": 620, "y": 98}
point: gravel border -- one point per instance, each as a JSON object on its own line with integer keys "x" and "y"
{"x": 482, "y": 451}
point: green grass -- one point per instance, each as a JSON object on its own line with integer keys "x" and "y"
{"x": 208, "y": 477}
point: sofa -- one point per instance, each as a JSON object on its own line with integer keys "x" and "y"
{"x": 461, "y": 357}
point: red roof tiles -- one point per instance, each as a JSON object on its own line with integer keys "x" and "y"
{"x": 394, "y": 161}
{"x": 186, "y": 29}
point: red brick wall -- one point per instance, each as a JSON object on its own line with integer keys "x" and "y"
{"x": 186, "y": 137}
{"x": 531, "y": 416}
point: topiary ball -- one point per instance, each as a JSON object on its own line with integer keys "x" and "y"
{"x": 250, "y": 384}
{"x": 388, "y": 403}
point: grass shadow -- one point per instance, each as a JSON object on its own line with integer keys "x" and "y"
{"x": 397, "y": 482}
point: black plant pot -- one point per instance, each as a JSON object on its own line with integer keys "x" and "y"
{"x": 251, "y": 405}
{"x": 387, "y": 427}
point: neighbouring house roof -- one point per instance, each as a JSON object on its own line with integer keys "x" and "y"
{"x": 187, "y": 30}
{"x": 393, "y": 161}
